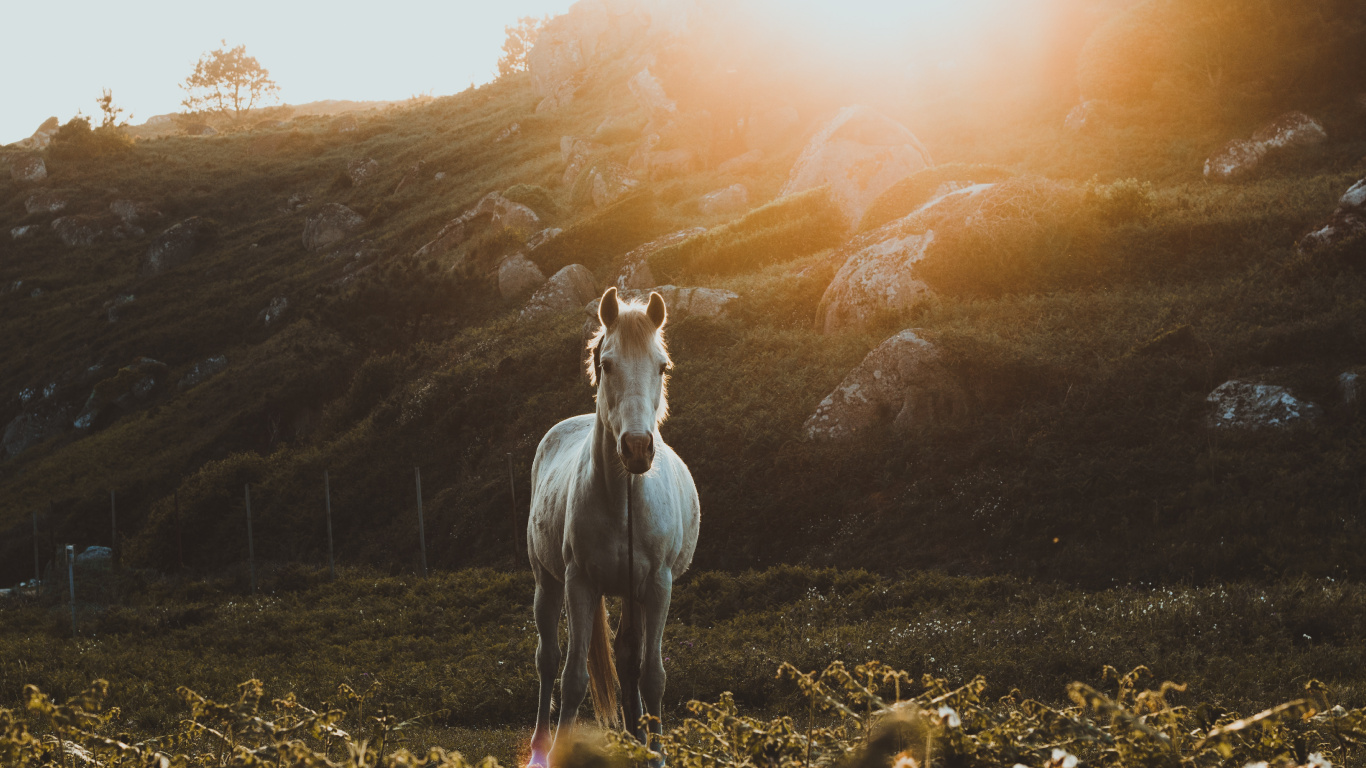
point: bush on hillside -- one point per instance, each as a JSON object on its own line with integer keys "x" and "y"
{"x": 1221, "y": 54}
{"x": 783, "y": 230}
{"x": 77, "y": 141}
{"x": 903, "y": 197}
{"x": 596, "y": 240}
{"x": 535, "y": 197}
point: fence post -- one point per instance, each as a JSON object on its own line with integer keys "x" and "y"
{"x": 327, "y": 496}
{"x": 251, "y": 552}
{"x": 421, "y": 529}
{"x": 512, "y": 484}
{"x": 37, "y": 568}
{"x": 113, "y": 530}
{"x": 71, "y": 583}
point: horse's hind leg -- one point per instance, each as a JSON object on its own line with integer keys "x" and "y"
{"x": 656, "y": 609}
{"x": 582, "y": 597}
{"x": 549, "y": 602}
{"x": 629, "y": 644}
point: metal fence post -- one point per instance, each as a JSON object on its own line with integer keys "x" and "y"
{"x": 421, "y": 529}
{"x": 327, "y": 496}
{"x": 251, "y": 552}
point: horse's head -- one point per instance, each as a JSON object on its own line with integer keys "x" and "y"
{"x": 629, "y": 366}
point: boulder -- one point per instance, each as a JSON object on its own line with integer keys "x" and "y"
{"x": 649, "y": 93}
{"x": 877, "y": 275}
{"x": 577, "y": 154}
{"x": 176, "y": 245}
{"x": 202, "y": 372}
{"x": 567, "y": 290}
{"x": 635, "y": 270}
{"x": 767, "y": 127}
{"x": 21, "y": 233}
{"x": 80, "y": 230}
{"x": 134, "y": 212}
{"x": 131, "y": 384}
{"x": 295, "y": 202}
{"x": 45, "y": 201}
{"x": 728, "y": 200}
{"x": 858, "y": 154}
{"x": 1240, "y": 157}
{"x": 518, "y": 277}
{"x": 745, "y": 163}
{"x": 500, "y": 212}
{"x": 273, "y": 311}
{"x": 1242, "y": 404}
{"x": 28, "y": 168}
{"x": 569, "y": 43}
{"x": 43, "y": 136}
{"x": 361, "y": 170}
{"x": 332, "y": 223}
{"x": 610, "y": 181}
{"x": 542, "y": 237}
{"x": 199, "y": 129}
{"x": 1347, "y": 225}
{"x": 902, "y": 381}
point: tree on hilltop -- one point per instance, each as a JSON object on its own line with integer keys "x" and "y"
{"x": 227, "y": 81}
{"x": 520, "y": 39}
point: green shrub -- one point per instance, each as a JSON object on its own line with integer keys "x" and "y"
{"x": 77, "y": 141}
{"x": 783, "y": 230}
{"x": 1122, "y": 202}
{"x": 535, "y": 197}
{"x": 915, "y": 190}
{"x": 605, "y": 235}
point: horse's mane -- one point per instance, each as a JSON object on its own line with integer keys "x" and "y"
{"x": 636, "y": 333}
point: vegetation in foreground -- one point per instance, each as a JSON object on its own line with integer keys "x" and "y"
{"x": 454, "y": 652}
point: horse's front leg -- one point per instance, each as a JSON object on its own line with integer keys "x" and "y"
{"x": 656, "y": 607}
{"x": 582, "y": 597}
{"x": 630, "y": 643}
{"x": 549, "y": 602}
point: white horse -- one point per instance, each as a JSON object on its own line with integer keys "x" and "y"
{"x": 577, "y": 535}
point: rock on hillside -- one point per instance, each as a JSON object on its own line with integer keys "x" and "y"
{"x": 362, "y": 170}
{"x": 518, "y": 276}
{"x": 80, "y": 230}
{"x": 130, "y": 385}
{"x": 859, "y": 154}
{"x": 903, "y": 380}
{"x": 1242, "y": 156}
{"x": 501, "y": 212}
{"x": 877, "y": 275}
{"x": 635, "y": 270}
{"x": 202, "y": 372}
{"x": 45, "y": 201}
{"x": 176, "y": 245}
{"x": 43, "y": 136}
{"x": 28, "y": 168}
{"x": 1346, "y": 226}
{"x": 567, "y": 290}
{"x": 332, "y": 223}
{"x": 1242, "y": 404}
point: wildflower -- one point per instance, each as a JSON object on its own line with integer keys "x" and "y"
{"x": 951, "y": 718}
{"x": 1317, "y": 760}
{"x": 1063, "y": 759}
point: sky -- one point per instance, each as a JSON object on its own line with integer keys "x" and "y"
{"x": 143, "y": 49}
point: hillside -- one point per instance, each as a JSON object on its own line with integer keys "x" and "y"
{"x": 1081, "y": 311}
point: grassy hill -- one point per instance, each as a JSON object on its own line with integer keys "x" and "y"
{"x": 1084, "y": 457}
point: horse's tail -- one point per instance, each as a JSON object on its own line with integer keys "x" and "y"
{"x": 602, "y": 670}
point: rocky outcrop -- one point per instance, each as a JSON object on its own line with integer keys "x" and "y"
{"x": 362, "y": 170}
{"x": 542, "y": 237}
{"x": 24, "y": 232}
{"x": 567, "y": 290}
{"x": 518, "y": 277}
{"x": 1347, "y": 225}
{"x": 858, "y": 154}
{"x": 276, "y": 309}
{"x": 176, "y": 245}
{"x": 202, "y": 372}
{"x": 500, "y": 212}
{"x": 611, "y": 180}
{"x": 569, "y": 43}
{"x": 45, "y": 201}
{"x": 331, "y": 224}
{"x": 132, "y": 384}
{"x": 877, "y": 275}
{"x": 135, "y": 213}
{"x": 80, "y": 230}
{"x": 649, "y": 93}
{"x": 28, "y": 168}
{"x": 577, "y": 154}
{"x": 903, "y": 381}
{"x": 728, "y": 200}
{"x": 635, "y": 266}
{"x": 1243, "y": 404}
{"x": 41, "y": 137}
{"x": 1240, "y": 157}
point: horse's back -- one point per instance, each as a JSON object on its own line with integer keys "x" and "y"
{"x": 553, "y": 473}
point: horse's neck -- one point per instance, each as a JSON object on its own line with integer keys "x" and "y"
{"x": 606, "y": 467}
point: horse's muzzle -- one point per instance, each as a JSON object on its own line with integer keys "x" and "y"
{"x": 637, "y": 452}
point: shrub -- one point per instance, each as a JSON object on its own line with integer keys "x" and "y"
{"x": 781, "y": 231}
{"x": 915, "y": 190}
{"x": 597, "y": 239}
{"x": 1122, "y": 202}
{"x": 535, "y": 197}
{"x": 77, "y": 141}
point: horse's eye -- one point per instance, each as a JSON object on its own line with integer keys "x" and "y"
{"x": 663, "y": 368}
{"x": 606, "y": 366}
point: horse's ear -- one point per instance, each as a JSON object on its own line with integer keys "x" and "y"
{"x": 608, "y": 307}
{"x": 656, "y": 311}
